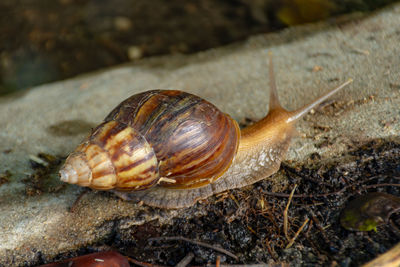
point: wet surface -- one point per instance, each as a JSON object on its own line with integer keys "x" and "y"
{"x": 70, "y": 128}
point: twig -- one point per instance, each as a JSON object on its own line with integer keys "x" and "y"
{"x": 218, "y": 261}
{"x": 277, "y": 194}
{"x": 181, "y": 238}
{"x": 38, "y": 160}
{"x": 379, "y": 185}
{"x": 234, "y": 199}
{"x": 309, "y": 227}
{"x": 186, "y": 260}
{"x": 285, "y": 213}
{"x": 297, "y": 233}
{"x": 143, "y": 264}
{"x": 319, "y": 227}
{"x": 270, "y": 250}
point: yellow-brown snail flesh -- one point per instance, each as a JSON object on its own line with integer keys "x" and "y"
{"x": 169, "y": 148}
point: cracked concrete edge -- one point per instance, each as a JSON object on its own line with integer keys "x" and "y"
{"x": 309, "y": 60}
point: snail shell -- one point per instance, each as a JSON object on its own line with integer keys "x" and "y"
{"x": 144, "y": 141}
{"x": 169, "y": 148}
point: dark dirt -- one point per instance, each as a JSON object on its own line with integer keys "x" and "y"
{"x": 249, "y": 222}
{"x": 44, "y": 41}
{"x": 44, "y": 179}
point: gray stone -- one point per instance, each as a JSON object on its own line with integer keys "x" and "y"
{"x": 309, "y": 60}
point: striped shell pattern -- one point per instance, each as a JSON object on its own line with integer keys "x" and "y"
{"x": 166, "y": 137}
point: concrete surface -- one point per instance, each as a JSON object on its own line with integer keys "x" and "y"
{"x": 309, "y": 60}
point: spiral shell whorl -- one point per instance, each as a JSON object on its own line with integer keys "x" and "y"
{"x": 76, "y": 170}
{"x": 117, "y": 157}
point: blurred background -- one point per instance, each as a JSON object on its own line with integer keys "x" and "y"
{"x": 48, "y": 40}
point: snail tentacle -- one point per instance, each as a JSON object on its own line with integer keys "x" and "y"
{"x": 297, "y": 114}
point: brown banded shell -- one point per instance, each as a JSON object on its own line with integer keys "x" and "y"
{"x": 157, "y": 134}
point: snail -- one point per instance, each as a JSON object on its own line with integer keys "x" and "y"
{"x": 170, "y": 149}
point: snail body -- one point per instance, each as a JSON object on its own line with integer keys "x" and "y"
{"x": 170, "y": 149}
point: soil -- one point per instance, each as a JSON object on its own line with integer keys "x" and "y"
{"x": 253, "y": 231}
{"x": 249, "y": 222}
